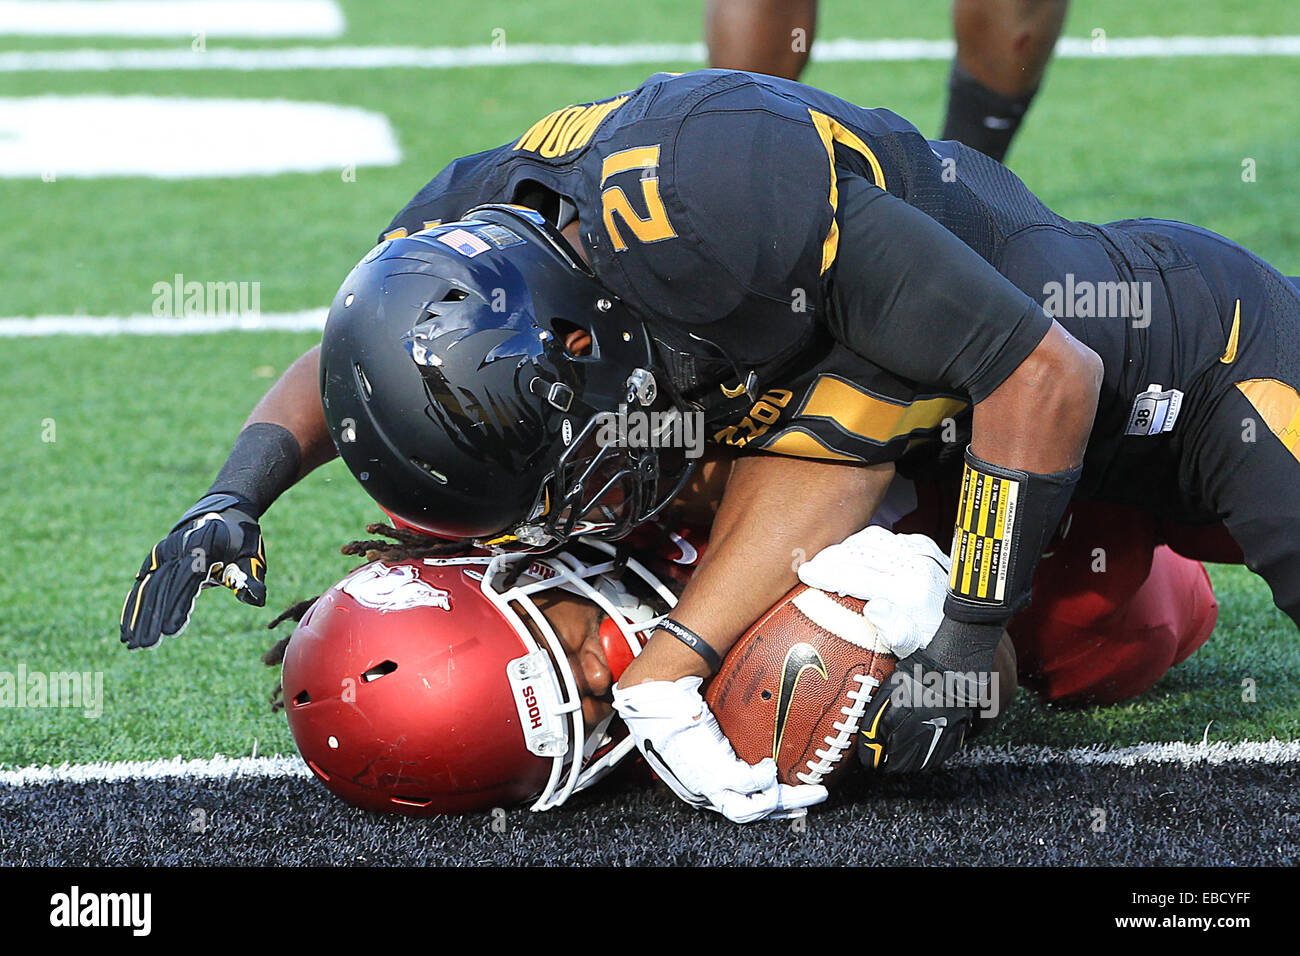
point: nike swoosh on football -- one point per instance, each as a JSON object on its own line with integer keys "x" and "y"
{"x": 798, "y": 659}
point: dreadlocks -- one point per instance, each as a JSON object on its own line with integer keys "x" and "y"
{"x": 406, "y": 545}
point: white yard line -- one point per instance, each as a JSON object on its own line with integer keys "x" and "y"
{"x": 1249, "y": 751}
{"x": 116, "y": 772}
{"x": 217, "y": 768}
{"x": 169, "y": 137}
{"x": 171, "y": 18}
{"x": 41, "y": 326}
{"x": 526, "y": 54}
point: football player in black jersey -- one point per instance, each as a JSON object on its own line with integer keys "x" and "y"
{"x": 835, "y": 297}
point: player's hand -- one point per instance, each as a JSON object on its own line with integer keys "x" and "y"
{"x": 214, "y": 543}
{"x": 681, "y": 740}
{"x": 900, "y": 733}
{"x": 902, "y": 577}
{"x": 923, "y": 712}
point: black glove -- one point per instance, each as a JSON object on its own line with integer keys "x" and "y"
{"x": 216, "y": 542}
{"x": 925, "y": 709}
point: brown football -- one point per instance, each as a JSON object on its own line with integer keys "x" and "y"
{"x": 795, "y": 686}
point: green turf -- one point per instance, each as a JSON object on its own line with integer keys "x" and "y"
{"x": 142, "y": 423}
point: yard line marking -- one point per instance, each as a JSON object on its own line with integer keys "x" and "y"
{"x": 1272, "y": 751}
{"x": 527, "y": 54}
{"x": 216, "y": 768}
{"x": 171, "y": 18}
{"x": 169, "y": 137}
{"x": 42, "y": 326}
{"x": 219, "y": 767}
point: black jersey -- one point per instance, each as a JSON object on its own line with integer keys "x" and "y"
{"x": 825, "y": 282}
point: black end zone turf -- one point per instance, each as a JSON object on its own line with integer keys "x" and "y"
{"x": 1047, "y": 814}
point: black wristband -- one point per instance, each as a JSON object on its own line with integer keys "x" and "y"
{"x": 1005, "y": 519}
{"x": 963, "y": 646}
{"x": 693, "y": 641}
{"x": 263, "y": 464}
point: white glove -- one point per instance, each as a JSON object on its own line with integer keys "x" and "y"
{"x": 902, "y": 577}
{"x": 681, "y": 740}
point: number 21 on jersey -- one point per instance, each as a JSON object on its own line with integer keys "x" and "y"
{"x": 615, "y": 203}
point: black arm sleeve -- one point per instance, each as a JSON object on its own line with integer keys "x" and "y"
{"x": 914, "y": 299}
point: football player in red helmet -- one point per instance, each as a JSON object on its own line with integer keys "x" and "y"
{"x": 810, "y": 278}
{"x": 442, "y": 685}
{"x": 438, "y": 685}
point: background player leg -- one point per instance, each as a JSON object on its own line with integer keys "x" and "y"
{"x": 1003, "y": 47}
{"x": 762, "y": 36}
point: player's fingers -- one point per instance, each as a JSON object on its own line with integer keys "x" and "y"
{"x": 907, "y": 756}
{"x": 753, "y": 778}
{"x": 254, "y": 589}
{"x": 182, "y": 589}
{"x": 792, "y": 798}
{"x": 153, "y": 560}
{"x": 856, "y": 578}
{"x": 897, "y": 626}
{"x": 881, "y": 613}
{"x": 780, "y": 814}
{"x": 130, "y": 613}
{"x": 874, "y": 728}
{"x": 146, "y": 612}
{"x": 140, "y": 619}
{"x": 826, "y": 574}
{"x": 131, "y": 607}
{"x": 744, "y": 807}
{"x": 922, "y": 546}
{"x": 777, "y": 802}
{"x": 950, "y": 744}
{"x": 246, "y": 577}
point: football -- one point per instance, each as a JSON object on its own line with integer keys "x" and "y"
{"x": 796, "y": 684}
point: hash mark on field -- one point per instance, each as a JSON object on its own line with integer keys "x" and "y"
{"x": 1254, "y": 752}
{"x": 623, "y": 54}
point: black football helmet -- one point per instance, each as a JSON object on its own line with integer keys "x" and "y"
{"x": 450, "y": 394}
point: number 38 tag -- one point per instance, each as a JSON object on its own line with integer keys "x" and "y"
{"x": 1154, "y": 411}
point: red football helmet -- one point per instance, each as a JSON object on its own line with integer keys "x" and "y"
{"x": 417, "y": 687}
